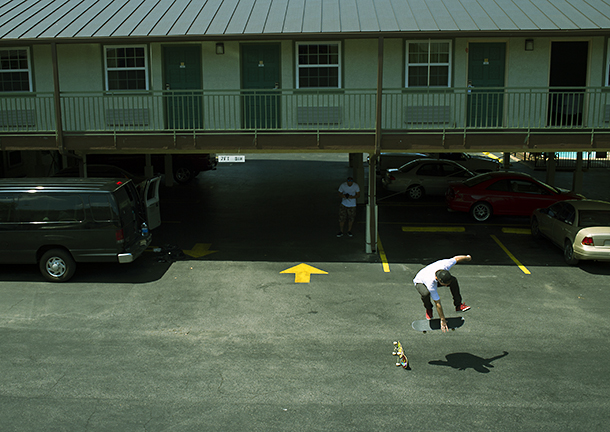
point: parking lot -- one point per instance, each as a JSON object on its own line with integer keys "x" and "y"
{"x": 209, "y": 333}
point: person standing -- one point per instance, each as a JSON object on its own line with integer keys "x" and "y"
{"x": 427, "y": 280}
{"x": 349, "y": 192}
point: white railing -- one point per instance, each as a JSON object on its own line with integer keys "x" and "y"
{"x": 206, "y": 111}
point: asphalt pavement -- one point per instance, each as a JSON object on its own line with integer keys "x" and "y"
{"x": 228, "y": 340}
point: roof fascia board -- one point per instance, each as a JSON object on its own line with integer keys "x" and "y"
{"x": 302, "y": 36}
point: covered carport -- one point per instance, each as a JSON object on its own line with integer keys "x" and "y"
{"x": 391, "y": 113}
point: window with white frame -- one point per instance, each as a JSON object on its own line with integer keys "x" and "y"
{"x": 428, "y": 63}
{"x": 126, "y": 67}
{"x": 15, "y": 70}
{"x": 318, "y": 65}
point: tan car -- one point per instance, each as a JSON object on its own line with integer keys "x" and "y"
{"x": 581, "y": 228}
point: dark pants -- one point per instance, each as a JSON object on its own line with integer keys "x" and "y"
{"x": 454, "y": 287}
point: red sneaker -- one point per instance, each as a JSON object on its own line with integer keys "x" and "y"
{"x": 429, "y": 314}
{"x": 462, "y": 308}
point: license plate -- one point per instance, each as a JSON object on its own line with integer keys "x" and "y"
{"x": 231, "y": 158}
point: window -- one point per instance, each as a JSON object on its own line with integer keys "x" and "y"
{"x": 430, "y": 169}
{"x": 126, "y": 68}
{"x": 101, "y": 207}
{"x": 15, "y": 70}
{"x": 7, "y": 207}
{"x": 428, "y": 63}
{"x": 52, "y": 207}
{"x": 318, "y": 65}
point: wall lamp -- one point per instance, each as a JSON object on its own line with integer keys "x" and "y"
{"x": 529, "y": 44}
{"x": 220, "y": 48}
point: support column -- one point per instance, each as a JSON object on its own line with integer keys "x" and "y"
{"x": 148, "y": 168}
{"x": 57, "y": 101}
{"x": 550, "y": 168}
{"x": 358, "y": 173}
{"x": 371, "y": 207}
{"x": 169, "y": 171}
{"x": 371, "y": 210}
{"x": 506, "y": 160}
{"x": 577, "y": 177}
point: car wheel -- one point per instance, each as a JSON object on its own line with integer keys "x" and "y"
{"x": 535, "y": 228}
{"x": 416, "y": 192}
{"x": 568, "y": 253}
{"x": 183, "y": 175}
{"x": 481, "y": 211}
{"x": 57, "y": 265}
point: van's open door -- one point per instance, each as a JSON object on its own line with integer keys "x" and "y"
{"x": 151, "y": 202}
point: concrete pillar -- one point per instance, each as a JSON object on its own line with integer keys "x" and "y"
{"x": 506, "y": 160}
{"x": 371, "y": 208}
{"x": 169, "y": 171}
{"x": 148, "y": 168}
{"x": 578, "y": 176}
{"x": 357, "y": 165}
{"x": 550, "y": 168}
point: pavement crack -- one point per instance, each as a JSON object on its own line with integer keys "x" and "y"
{"x": 222, "y": 380}
{"x": 89, "y": 418}
{"x": 57, "y": 382}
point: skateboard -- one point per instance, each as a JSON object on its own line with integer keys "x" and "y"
{"x": 400, "y": 352}
{"x": 435, "y": 324}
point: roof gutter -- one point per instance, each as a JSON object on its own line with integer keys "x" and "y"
{"x": 311, "y": 36}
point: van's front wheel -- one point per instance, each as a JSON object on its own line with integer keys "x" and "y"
{"x": 57, "y": 265}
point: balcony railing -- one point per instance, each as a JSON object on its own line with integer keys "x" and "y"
{"x": 244, "y": 111}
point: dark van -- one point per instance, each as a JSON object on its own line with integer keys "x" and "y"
{"x": 57, "y": 222}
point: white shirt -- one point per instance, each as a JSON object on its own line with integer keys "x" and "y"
{"x": 427, "y": 275}
{"x": 351, "y": 190}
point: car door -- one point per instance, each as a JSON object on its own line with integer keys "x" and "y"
{"x": 527, "y": 196}
{"x": 500, "y": 197}
{"x": 430, "y": 176}
{"x": 548, "y": 220}
{"x": 150, "y": 196}
{"x": 563, "y": 220}
{"x": 452, "y": 172}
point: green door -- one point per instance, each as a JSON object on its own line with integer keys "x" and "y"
{"x": 260, "y": 73}
{"x": 486, "y": 63}
{"x": 182, "y": 68}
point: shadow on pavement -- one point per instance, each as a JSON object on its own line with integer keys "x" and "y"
{"x": 463, "y": 361}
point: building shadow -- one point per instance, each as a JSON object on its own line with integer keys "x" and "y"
{"x": 463, "y": 361}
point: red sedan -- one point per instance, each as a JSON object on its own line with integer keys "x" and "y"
{"x": 503, "y": 193}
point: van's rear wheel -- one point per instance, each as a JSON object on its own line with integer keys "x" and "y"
{"x": 57, "y": 265}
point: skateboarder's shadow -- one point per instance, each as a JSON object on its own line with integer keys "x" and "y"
{"x": 463, "y": 361}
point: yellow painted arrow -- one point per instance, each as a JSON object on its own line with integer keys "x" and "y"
{"x": 199, "y": 250}
{"x": 303, "y": 272}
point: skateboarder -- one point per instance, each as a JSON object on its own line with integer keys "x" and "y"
{"x": 437, "y": 273}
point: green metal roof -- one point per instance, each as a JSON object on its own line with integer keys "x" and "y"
{"x": 31, "y": 20}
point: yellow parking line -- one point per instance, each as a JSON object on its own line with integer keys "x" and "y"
{"x": 493, "y": 156}
{"x": 516, "y": 230}
{"x": 433, "y": 229}
{"x": 510, "y": 255}
{"x": 382, "y": 255}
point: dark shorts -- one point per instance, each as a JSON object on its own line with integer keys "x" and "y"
{"x": 346, "y": 213}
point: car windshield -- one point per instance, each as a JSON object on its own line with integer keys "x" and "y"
{"x": 473, "y": 181}
{"x": 593, "y": 218}
{"x": 548, "y": 186}
{"x": 408, "y": 166}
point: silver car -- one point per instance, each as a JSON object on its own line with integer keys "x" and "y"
{"x": 475, "y": 163}
{"x": 424, "y": 177}
{"x": 581, "y": 228}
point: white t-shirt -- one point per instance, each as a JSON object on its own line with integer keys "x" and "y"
{"x": 351, "y": 190}
{"x": 427, "y": 275}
